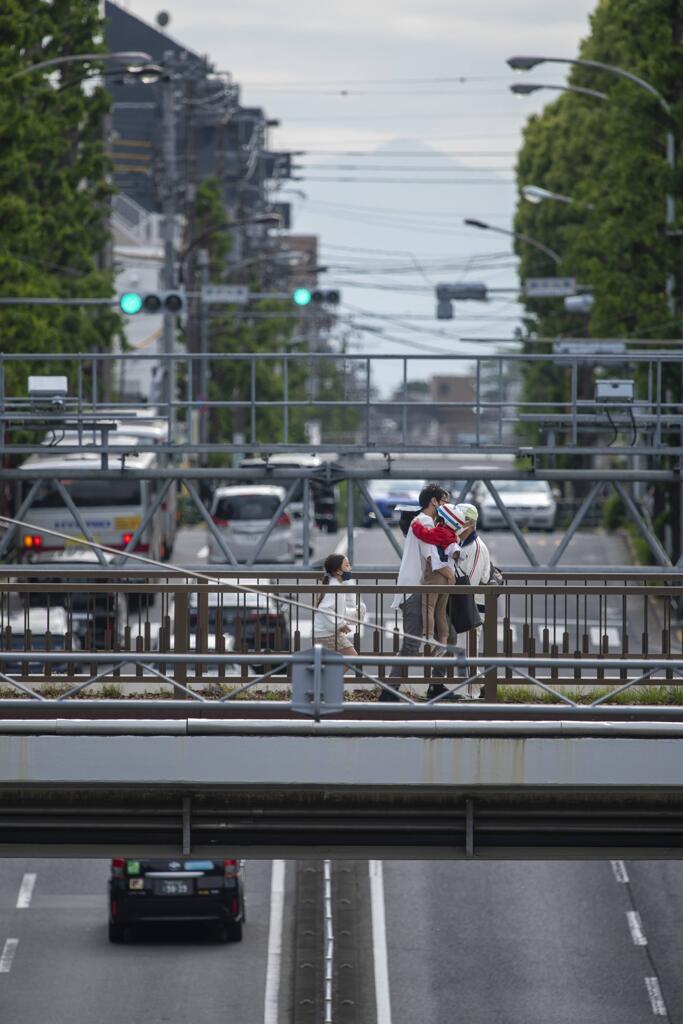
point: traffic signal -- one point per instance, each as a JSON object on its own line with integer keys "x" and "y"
{"x": 172, "y": 301}
{"x": 319, "y": 297}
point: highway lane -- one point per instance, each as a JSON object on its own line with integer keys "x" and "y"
{"x": 64, "y": 970}
{"x": 521, "y": 943}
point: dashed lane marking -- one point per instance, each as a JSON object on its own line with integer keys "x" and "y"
{"x": 620, "y": 872}
{"x": 656, "y": 1000}
{"x": 26, "y": 891}
{"x": 7, "y": 955}
{"x": 635, "y": 926}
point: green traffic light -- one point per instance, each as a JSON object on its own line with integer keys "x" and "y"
{"x": 302, "y": 296}
{"x": 130, "y": 303}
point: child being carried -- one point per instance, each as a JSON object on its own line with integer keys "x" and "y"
{"x": 444, "y": 551}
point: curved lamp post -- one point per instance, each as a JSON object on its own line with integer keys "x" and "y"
{"x": 550, "y": 253}
{"x": 527, "y": 63}
{"x": 525, "y": 88}
{"x": 139, "y": 56}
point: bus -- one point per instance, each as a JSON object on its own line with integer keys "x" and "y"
{"x": 111, "y": 509}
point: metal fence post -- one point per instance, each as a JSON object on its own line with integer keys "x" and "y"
{"x": 491, "y": 644}
{"x": 181, "y": 636}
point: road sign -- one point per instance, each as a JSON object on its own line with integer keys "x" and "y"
{"x": 549, "y": 287}
{"x": 589, "y": 348}
{"x": 225, "y": 293}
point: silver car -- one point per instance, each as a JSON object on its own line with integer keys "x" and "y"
{"x": 530, "y": 503}
{"x": 242, "y": 515}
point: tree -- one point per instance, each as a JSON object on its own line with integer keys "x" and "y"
{"x": 610, "y": 157}
{"x": 53, "y": 184}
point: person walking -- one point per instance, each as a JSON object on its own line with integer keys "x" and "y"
{"x": 410, "y": 574}
{"x": 475, "y": 561}
{"x": 334, "y": 621}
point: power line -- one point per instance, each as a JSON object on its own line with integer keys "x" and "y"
{"x": 331, "y": 165}
{"x": 407, "y": 181}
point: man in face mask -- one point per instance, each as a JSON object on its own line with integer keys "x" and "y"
{"x": 415, "y": 556}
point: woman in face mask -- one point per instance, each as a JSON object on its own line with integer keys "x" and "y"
{"x": 334, "y": 622}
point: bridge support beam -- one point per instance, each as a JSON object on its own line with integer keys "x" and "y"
{"x": 288, "y": 789}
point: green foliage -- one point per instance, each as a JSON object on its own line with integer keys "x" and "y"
{"x": 609, "y": 156}
{"x": 53, "y": 183}
{"x": 254, "y": 340}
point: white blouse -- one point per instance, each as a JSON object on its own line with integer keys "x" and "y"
{"x": 339, "y": 605}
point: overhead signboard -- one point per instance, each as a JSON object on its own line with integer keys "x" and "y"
{"x": 549, "y": 287}
{"x": 589, "y": 348}
{"x": 225, "y": 293}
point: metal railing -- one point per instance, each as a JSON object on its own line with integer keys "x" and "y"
{"x": 562, "y": 634}
{"x": 360, "y": 418}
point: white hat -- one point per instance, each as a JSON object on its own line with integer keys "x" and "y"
{"x": 467, "y": 512}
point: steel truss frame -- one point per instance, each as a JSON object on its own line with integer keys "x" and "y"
{"x": 355, "y": 479}
{"x": 658, "y": 421}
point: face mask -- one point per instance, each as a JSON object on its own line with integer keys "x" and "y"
{"x": 346, "y": 576}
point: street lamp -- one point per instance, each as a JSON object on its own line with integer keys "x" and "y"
{"x": 550, "y": 253}
{"x": 525, "y": 88}
{"x": 527, "y": 63}
{"x": 140, "y": 57}
{"x": 536, "y": 194}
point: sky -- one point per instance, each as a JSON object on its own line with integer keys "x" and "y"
{"x": 411, "y": 106}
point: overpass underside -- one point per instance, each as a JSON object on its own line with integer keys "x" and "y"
{"x": 463, "y": 790}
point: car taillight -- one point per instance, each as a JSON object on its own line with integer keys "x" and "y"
{"x": 114, "y": 908}
{"x": 233, "y": 906}
{"x": 127, "y": 538}
{"x": 117, "y": 866}
{"x": 32, "y": 540}
{"x": 284, "y": 520}
{"x": 231, "y": 868}
{"x": 217, "y": 521}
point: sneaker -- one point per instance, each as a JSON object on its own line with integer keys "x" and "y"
{"x": 385, "y": 695}
{"x": 436, "y": 689}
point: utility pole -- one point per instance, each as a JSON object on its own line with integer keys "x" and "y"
{"x": 203, "y": 263}
{"x": 169, "y": 197}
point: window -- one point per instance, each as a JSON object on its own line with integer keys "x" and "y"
{"x": 247, "y": 507}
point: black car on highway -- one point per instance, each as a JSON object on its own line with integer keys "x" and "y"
{"x": 146, "y": 891}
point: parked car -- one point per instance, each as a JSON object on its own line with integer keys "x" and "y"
{"x": 323, "y": 494}
{"x": 530, "y": 503}
{"x": 35, "y": 629}
{"x": 242, "y": 514}
{"x": 144, "y": 891}
{"x": 95, "y": 618}
{"x": 386, "y": 495}
{"x": 249, "y": 622}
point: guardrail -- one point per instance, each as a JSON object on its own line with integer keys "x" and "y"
{"x": 101, "y": 629}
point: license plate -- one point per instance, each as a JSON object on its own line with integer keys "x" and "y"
{"x": 175, "y": 887}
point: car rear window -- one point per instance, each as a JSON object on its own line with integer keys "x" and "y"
{"x": 247, "y": 507}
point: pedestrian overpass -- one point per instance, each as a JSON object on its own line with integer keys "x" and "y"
{"x": 465, "y": 782}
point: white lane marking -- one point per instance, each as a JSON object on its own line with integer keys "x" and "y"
{"x": 203, "y": 552}
{"x": 26, "y": 891}
{"x": 620, "y": 872}
{"x": 343, "y": 543}
{"x": 271, "y": 1008}
{"x": 656, "y": 1000}
{"x": 635, "y": 926}
{"x": 7, "y": 955}
{"x": 379, "y": 943}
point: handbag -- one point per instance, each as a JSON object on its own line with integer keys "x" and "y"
{"x": 495, "y": 576}
{"x": 462, "y": 610}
